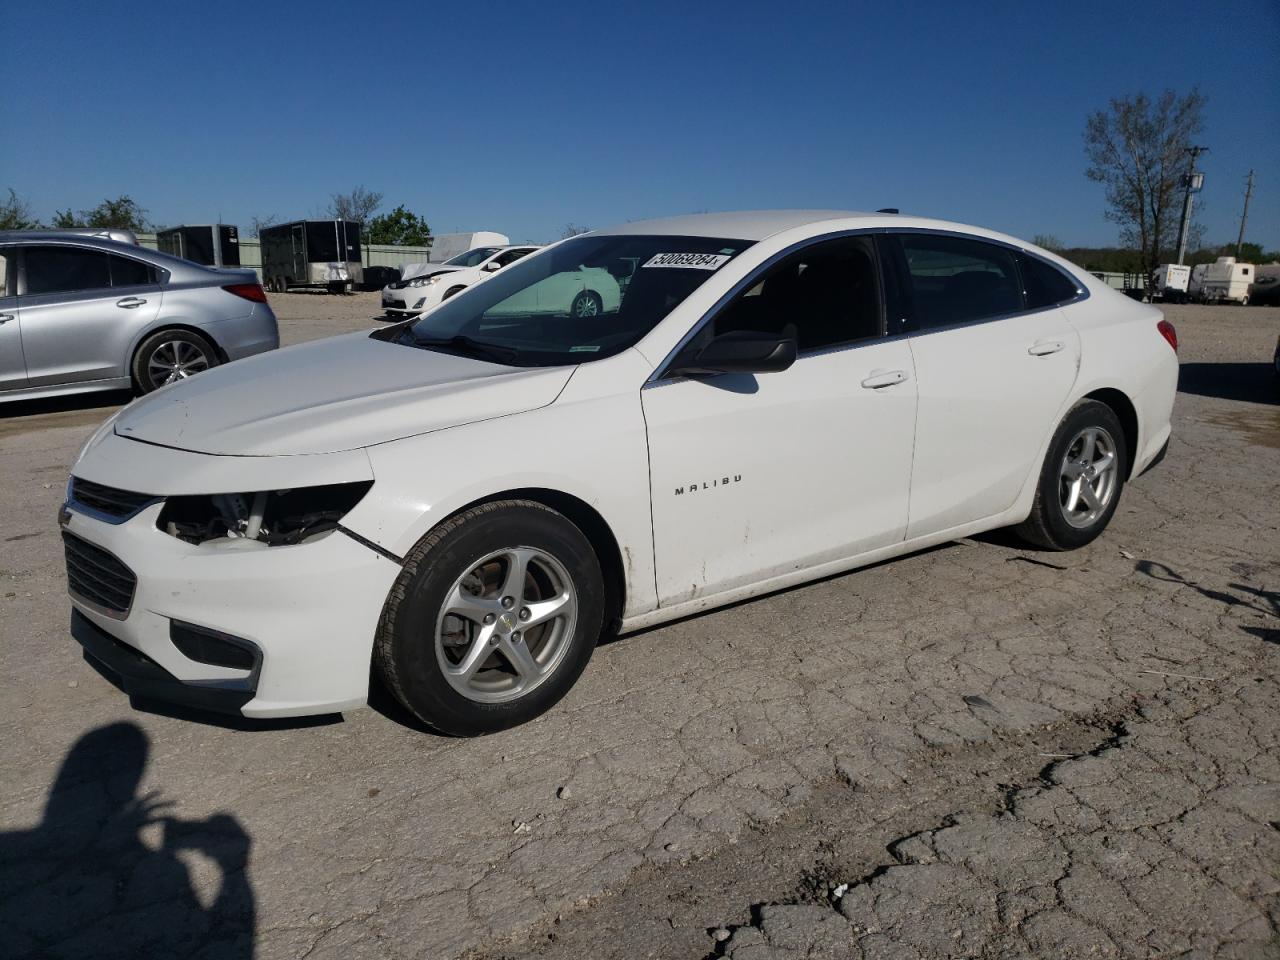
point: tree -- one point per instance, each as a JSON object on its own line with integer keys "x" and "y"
{"x": 15, "y": 214}
{"x": 572, "y": 230}
{"x": 400, "y": 227}
{"x": 258, "y": 224}
{"x": 1138, "y": 150}
{"x": 358, "y": 205}
{"x": 122, "y": 213}
{"x": 1048, "y": 241}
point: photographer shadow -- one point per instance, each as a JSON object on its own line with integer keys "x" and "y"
{"x": 103, "y": 874}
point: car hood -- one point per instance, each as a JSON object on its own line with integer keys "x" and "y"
{"x": 428, "y": 270}
{"x": 332, "y": 395}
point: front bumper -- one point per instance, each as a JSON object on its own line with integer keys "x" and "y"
{"x": 140, "y": 676}
{"x": 411, "y": 301}
{"x": 310, "y": 609}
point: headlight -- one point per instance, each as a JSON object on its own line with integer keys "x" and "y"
{"x": 424, "y": 281}
{"x": 273, "y": 517}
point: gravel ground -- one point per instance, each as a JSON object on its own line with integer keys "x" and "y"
{"x": 979, "y": 750}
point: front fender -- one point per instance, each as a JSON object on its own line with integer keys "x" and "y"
{"x": 593, "y": 449}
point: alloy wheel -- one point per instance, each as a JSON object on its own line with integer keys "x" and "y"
{"x": 506, "y": 624}
{"x": 1087, "y": 479}
{"x": 175, "y": 360}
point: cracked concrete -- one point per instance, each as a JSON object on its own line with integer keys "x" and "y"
{"x": 1000, "y": 752}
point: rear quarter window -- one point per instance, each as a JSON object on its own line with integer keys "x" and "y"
{"x": 1044, "y": 285}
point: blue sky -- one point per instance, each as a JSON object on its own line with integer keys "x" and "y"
{"x": 525, "y": 117}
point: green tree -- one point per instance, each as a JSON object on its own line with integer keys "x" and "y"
{"x": 1138, "y": 150}
{"x": 1048, "y": 241}
{"x": 15, "y": 214}
{"x": 400, "y": 227}
{"x": 122, "y": 213}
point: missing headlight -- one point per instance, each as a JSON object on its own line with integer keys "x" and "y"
{"x": 273, "y": 517}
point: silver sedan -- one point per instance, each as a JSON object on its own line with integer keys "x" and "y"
{"x": 85, "y": 313}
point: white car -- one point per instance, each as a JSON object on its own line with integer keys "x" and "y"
{"x": 466, "y": 501}
{"x": 426, "y": 284}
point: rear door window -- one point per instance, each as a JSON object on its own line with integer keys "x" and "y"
{"x": 67, "y": 269}
{"x": 955, "y": 280}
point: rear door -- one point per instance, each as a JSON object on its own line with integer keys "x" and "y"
{"x": 994, "y": 370}
{"x": 82, "y": 308}
{"x": 13, "y": 366}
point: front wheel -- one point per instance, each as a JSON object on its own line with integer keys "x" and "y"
{"x": 1080, "y": 481}
{"x": 169, "y": 356}
{"x": 492, "y": 619}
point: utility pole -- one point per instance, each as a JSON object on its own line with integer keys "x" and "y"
{"x": 1192, "y": 181}
{"x": 1248, "y": 192}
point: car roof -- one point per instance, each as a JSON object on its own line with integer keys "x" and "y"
{"x": 756, "y": 225}
{"x": 98, "y": 233}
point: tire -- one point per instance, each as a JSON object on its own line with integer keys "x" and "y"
{"x": 586, "y": 304}
{"x": 468, "y": 559}
{"x": 1059, "y": 521}
{"x": 170, "y": 355}
{"x": 450, "y": 292}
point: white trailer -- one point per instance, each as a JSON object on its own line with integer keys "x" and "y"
{"x": 1171, "y": 281}
{"x": 1227, "y": 281}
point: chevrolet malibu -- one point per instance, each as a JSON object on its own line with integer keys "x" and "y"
{"x": 460, "y": 505}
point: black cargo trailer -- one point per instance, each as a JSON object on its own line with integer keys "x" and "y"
{"x": 213, "y": 244}
{"x": 311, "y": 253}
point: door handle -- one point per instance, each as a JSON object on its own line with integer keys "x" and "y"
{"x": 130, "y": 302}
{"x": 1042, "y": 348}
{"x": 5, "y": 317}
{"x": 884, "y": 378}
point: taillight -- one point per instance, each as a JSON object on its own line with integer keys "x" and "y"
{"x": 250, "y": 291}
{"x": 1170, "y": 334}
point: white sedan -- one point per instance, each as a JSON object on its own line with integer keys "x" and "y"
{"x": 428, "y": 284}
{"x": 465, "y": 502}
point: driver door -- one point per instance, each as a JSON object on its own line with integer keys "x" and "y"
{"x": 756, "y": 476}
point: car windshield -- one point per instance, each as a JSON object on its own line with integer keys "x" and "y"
{"x": 583, "y": 299}
{"x": 472, "y": 258}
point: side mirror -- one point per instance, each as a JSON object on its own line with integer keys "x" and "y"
{"x": 491, "y": 266}
{"x": 740, "y": 351}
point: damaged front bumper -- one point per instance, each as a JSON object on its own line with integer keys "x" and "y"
{"x": 233, "y": 625}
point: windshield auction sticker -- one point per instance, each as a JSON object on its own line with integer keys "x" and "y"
{"x": 688, "y": 261}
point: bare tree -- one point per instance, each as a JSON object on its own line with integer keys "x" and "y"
{"x": 1138, "y": 150}
{"x": 572, "y": 230}
{"x": 1048, "y": 241}
{"x": 358, "y": 205}
{"x": 15, "y": 214}
{"x": 260, "y": 223}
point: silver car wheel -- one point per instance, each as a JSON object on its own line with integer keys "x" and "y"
{"x": 175, "y": 360}
{"x": 506, "y": 624}
{"x": 585, "y": 305}
{"x": 1087, "y": 480}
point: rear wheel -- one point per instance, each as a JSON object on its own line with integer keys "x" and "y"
{"x": 493, "y": 618}
{"x": 1080, "y": 481}
{"x": 169, "y": 356}
{"x": 586, "y": 304}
